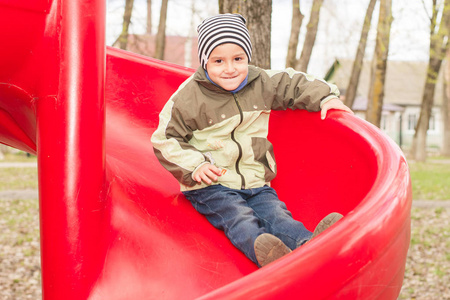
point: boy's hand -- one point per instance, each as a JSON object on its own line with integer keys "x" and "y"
{"x": 207, "y": 173}
{"x": 334, "y": 104}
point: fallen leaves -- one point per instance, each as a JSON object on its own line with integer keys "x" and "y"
{"x": 426, "y": 276}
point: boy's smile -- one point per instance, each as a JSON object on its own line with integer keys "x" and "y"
{"x": 227, "y": 66}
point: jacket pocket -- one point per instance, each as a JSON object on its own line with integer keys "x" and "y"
{"x": 263, "y": 153}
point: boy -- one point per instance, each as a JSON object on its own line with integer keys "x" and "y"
{"x": 212, "y": 137}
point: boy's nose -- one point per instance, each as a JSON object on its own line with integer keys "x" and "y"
{"x": 230, "y": 67}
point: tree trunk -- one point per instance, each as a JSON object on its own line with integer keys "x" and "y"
{"x": 310, "y": 38}
{"x": 149, "y": 17}
{"x": 296, "y": 24}
{"x": 350, "y": 93}
{"x": 123, "y": 38}
{"x": 438, "y": 48}
{"x": 420, "y": 136}
{"x": 160, "y": 43}
{"x": 379, "y": 64}
{"x": 446, "y": 109}
{"x": 258, "y": 14}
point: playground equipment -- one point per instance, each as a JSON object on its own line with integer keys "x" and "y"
{"x": 113, "y": 223}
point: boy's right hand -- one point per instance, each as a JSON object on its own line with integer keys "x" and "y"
{"x": 207, "y": 173}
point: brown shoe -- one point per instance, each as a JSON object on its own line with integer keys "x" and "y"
{"x": 325, "y": 223}
{"x": 269, "y": 248}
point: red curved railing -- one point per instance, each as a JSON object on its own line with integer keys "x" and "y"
{"x": 113, "y": 223}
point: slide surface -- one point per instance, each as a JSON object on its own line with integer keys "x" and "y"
{"x": 113, "y": 222}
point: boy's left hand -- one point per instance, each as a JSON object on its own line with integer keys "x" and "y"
{"x": 334, "y": 104}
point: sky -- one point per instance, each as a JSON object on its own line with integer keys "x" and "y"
{"x": 338, "y": 35}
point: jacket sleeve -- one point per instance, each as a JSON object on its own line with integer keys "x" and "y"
{"x": 171, "y": 145}
{"x": 297, "y": 90}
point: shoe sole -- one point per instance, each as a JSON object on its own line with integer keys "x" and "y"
{"x": 326, "y": 222}
{"x": 269, "y": 248}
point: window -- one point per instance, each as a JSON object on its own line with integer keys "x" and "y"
{"x": 412, "y": 121}
{"x": 432, "y": 124}
{"x": 383, "y": 122}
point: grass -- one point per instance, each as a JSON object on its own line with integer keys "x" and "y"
{"x": 430, "y": 180}
{"x": 19, "y": 156}
{"x": 15, "y": 213}
{"x": 18, "y": 178}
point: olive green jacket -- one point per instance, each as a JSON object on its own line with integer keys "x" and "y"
{"x": 203, "y": 123}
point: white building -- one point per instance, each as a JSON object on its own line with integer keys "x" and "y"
{"x": 404, "y": 85}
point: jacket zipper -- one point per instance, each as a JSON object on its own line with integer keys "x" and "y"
{"x": 237, "y": 143}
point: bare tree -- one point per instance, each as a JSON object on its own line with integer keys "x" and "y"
{"x": 379, "y": 64}
{"x": 439, "y": 34}
{"x": 296, "y": 24}
{"x": 123, "y": 38}
{"x": 310, "y": 38}
{"x": 160, "y": 43}
{"x": 149, "y": 17}
{"x": 446, "y": 108}
{"x": 259, "y": 20}
{"x": 190, "y": 38}
{"x": 352, "y": 87}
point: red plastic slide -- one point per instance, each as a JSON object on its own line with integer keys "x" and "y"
{"x": 113, "y": 223}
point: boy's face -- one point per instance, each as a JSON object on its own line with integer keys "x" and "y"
{"x": 227, "y": 66}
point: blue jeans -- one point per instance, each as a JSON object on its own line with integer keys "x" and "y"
{"x": 245, "y": 214}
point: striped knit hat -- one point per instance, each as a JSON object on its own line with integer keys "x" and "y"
{"x": 221, "y": 29}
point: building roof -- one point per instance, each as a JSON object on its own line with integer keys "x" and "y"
{"x": 360, "y": 104}
{"x": 174, "y": 51}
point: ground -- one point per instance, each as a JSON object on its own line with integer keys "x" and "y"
{"x": 426, "y": 276}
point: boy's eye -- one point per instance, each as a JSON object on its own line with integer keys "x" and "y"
{"x": 218, "y": 61}
{"x": 238, "y": 59}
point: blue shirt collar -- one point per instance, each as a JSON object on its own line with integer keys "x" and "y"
{"x": 240, "y": 87}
